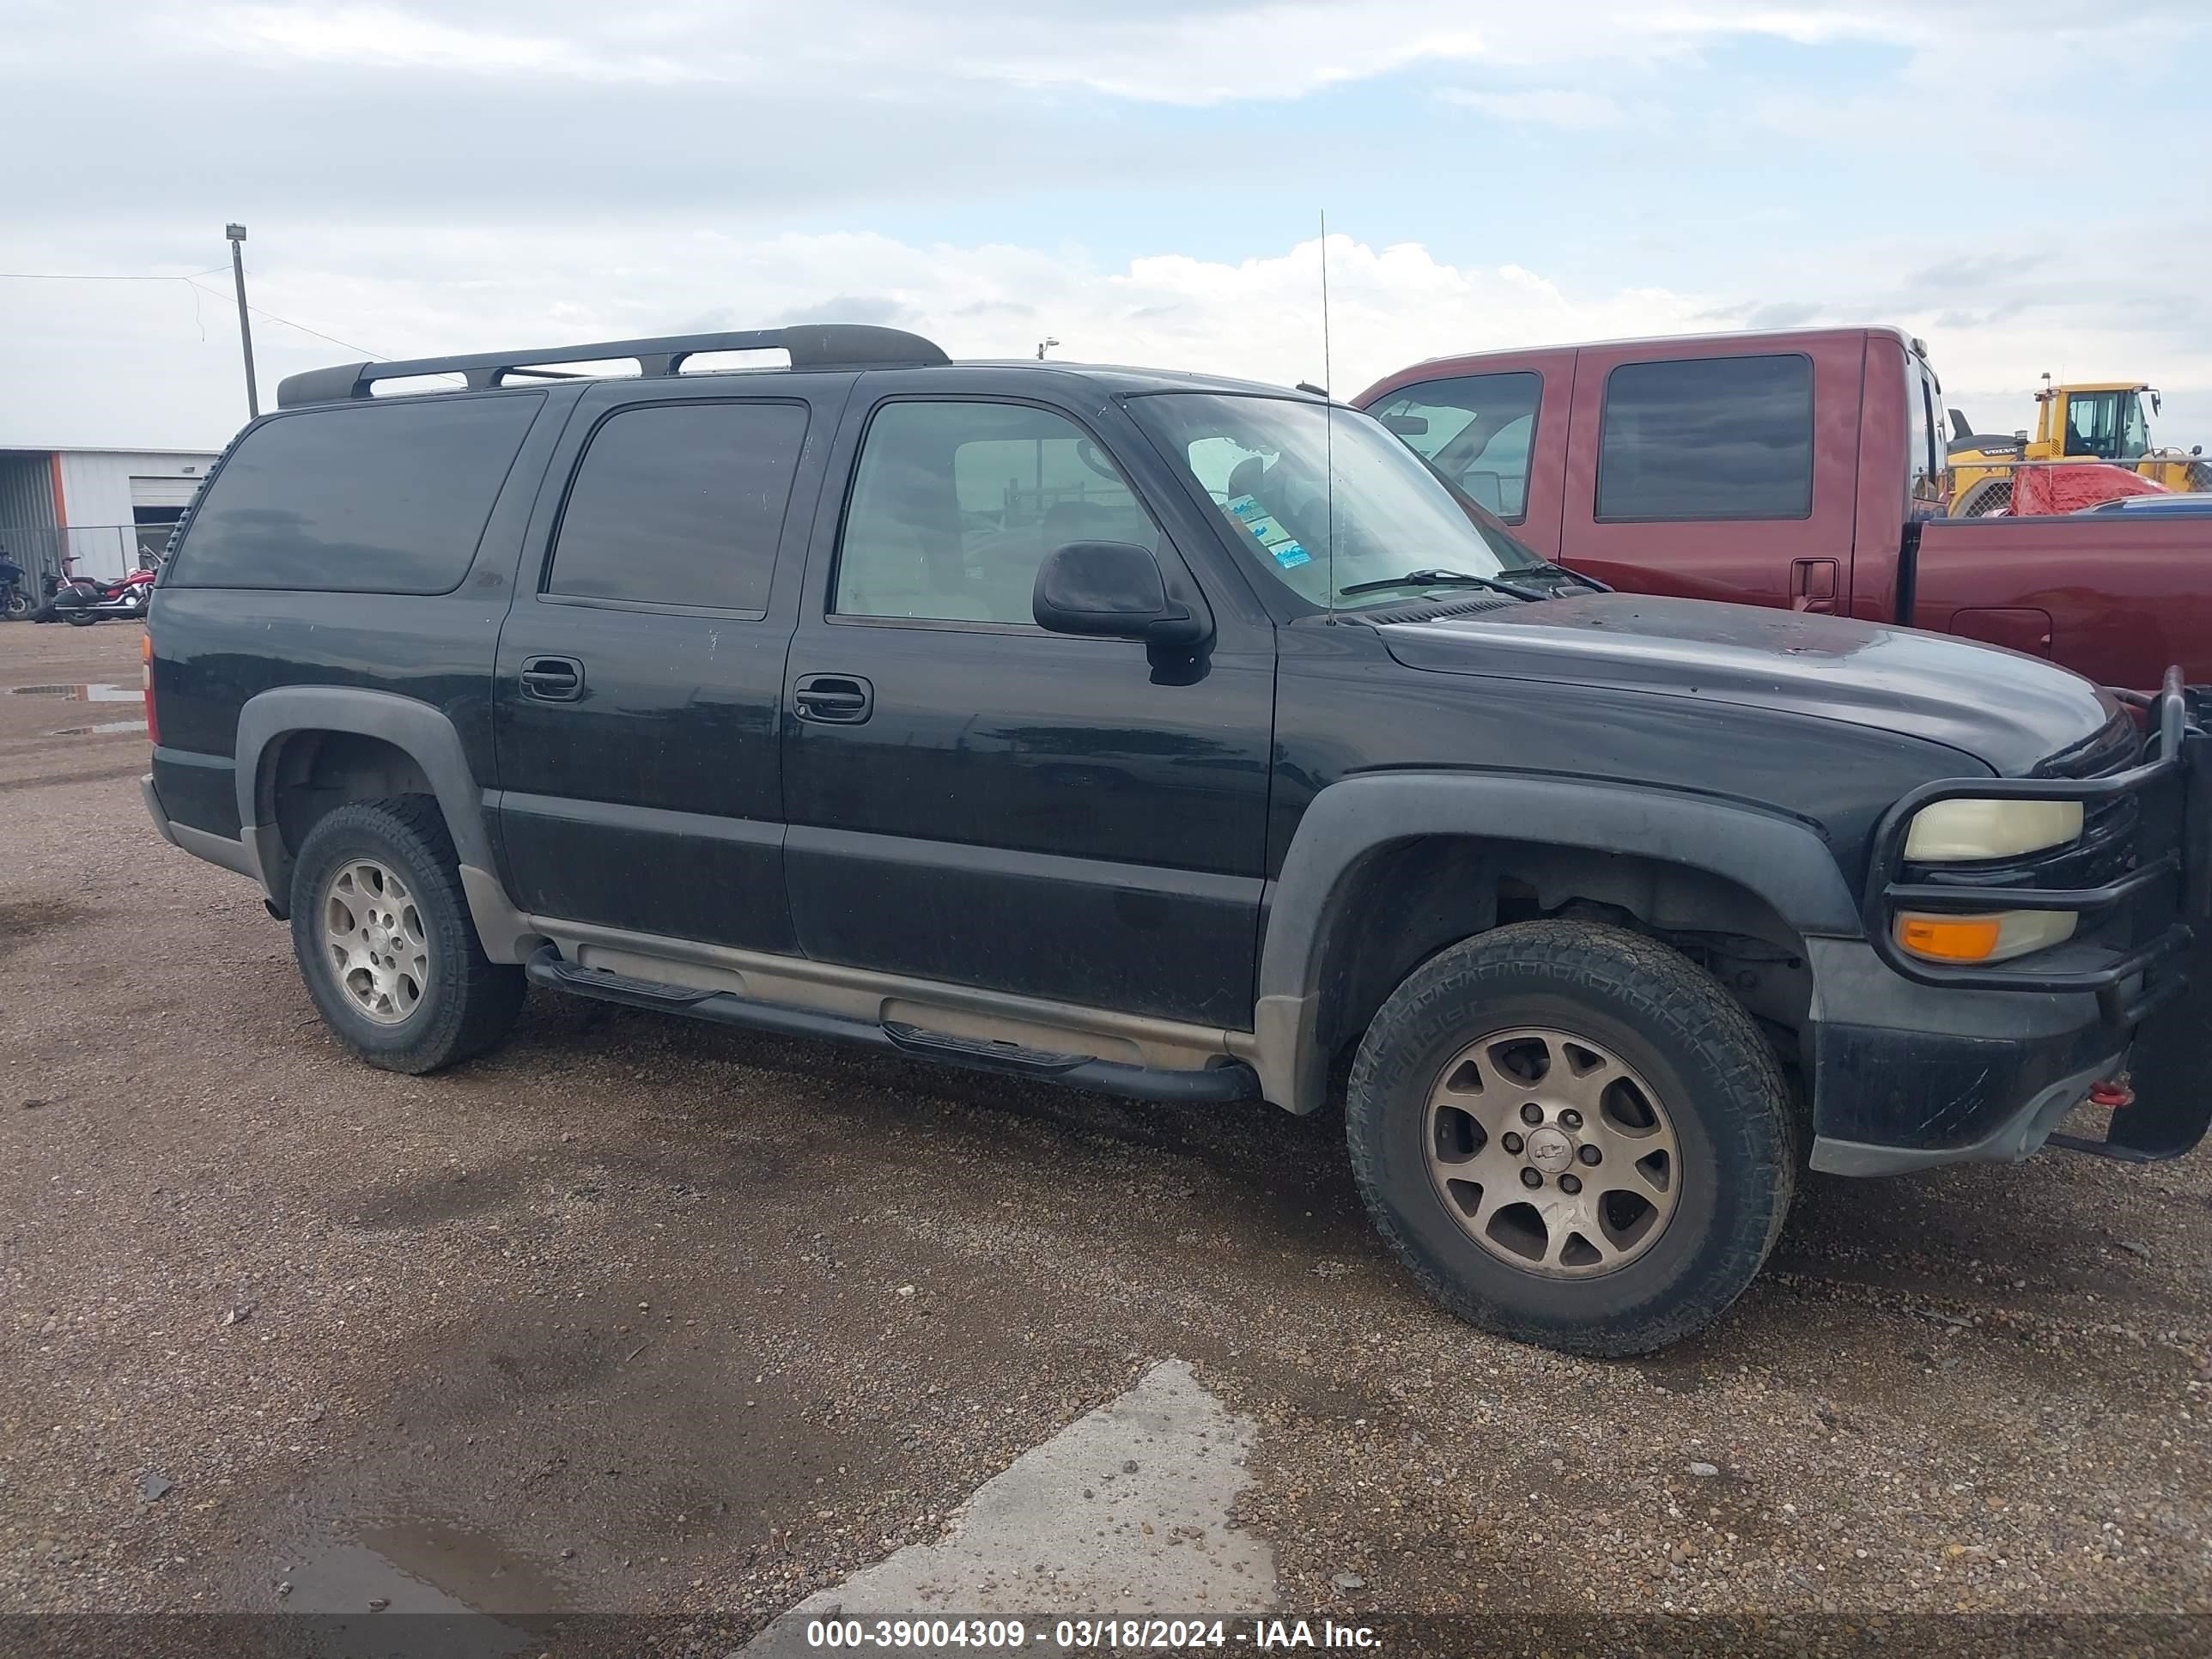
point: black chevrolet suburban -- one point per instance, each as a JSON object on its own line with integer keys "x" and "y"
{"x": 1179, "y": 737}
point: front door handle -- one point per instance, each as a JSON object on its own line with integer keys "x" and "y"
{"x": 835, "y": 698}
{"x": 552, "y": 679}
{"x": 1813, "y": 585}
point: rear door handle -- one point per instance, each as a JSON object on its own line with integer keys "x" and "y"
{"x": 552, "y": 679}
{"x": 835, "y": 698}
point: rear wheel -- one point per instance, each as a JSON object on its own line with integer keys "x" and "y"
{"x": 1572, "y": 1136}
{"x": 382, "y": 931}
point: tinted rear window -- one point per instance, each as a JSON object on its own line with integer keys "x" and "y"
{"x": 388, "y": 498}
{"x": 1708, "y": 438}
{"x": 681, "y": 504}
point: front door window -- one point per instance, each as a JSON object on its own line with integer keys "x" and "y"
{"x": 955, "y": 504}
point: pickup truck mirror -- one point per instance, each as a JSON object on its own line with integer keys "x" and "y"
{"x": 1114, "y": 590}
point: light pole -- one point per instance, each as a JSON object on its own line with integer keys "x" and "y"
{"x": 237, "y": 234}
{"x": 1043, "y": 345}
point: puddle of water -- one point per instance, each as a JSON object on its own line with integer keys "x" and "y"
{"x": 95, "y": 731}
{"x": 419, "y": 1567}
{"x": 97, "y": 691}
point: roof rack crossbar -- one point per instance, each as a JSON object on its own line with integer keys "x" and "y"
{"x": 811, "y": 345}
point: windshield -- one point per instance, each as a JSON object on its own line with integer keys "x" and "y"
{"x": 1264, "y": 462}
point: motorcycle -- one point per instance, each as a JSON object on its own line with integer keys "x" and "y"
{"x": 81, "y": 601}
{"x": 14, "y": 603}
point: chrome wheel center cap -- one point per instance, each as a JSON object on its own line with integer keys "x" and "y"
{"x": 1550, "y": 1149}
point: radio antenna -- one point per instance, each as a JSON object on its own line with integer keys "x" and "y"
{"x": 1328, "y": 421}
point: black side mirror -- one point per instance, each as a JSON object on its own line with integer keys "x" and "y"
{"x": 1114, "y": 590}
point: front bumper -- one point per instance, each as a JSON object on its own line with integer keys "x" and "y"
{"x": 1904, "y": 1080}
{"x": 1916, "y": 1063}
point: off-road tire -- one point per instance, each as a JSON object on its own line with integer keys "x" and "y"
{"x": 1662, "y": 1014}
{"x": 469, "y": 1002}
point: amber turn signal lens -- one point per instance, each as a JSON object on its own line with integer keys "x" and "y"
{"x": 1950, "y": 939}
{"x": 1982, "y": 938}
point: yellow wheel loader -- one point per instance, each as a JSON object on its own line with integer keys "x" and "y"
{"x": 2091, "y": 420}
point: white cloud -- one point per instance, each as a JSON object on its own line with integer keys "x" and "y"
{"x": 462, "y": 291}
{"x": 1199, "y": 52}
{"x": 1549, "y": 107}
{"x": 129, "y": 363}
{"x": 390, "y": 37}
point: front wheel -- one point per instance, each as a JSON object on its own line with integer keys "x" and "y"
{"x": 1572, "y": 1136}
{"x": 381, "y": 929}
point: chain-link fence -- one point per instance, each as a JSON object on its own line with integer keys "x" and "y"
{"x": 1988, "y": 485}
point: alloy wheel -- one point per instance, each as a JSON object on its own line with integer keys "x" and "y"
{"x": 372, "y": 936}
{"x": 1553, "y": 1152}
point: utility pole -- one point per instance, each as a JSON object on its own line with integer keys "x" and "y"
{"x": 237, "y": 234}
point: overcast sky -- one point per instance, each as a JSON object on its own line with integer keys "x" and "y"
{"x": 1140, "y": 179}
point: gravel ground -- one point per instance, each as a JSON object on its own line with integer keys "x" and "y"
{"x": 612, "y": 1321}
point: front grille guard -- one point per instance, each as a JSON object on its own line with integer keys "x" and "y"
{"x": 2168, "y": 893}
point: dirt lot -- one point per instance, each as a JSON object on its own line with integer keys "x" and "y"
{"x": 642, "y": 1314}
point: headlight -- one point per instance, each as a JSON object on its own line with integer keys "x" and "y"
{"x": 1954, "y": 830}
{"x": 1996, "y": 937}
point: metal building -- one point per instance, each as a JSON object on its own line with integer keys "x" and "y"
{"x": 97, "y": 508}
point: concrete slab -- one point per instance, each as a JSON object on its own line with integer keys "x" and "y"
{"x": 1122, "y": 1512}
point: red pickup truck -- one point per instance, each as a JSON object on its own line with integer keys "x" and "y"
{"x": 1803, "y": 470}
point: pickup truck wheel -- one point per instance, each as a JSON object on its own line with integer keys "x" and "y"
{"x": 382, "y": 931}
{"x": 1573, "y": 1136}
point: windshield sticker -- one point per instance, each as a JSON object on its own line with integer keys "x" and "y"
{"x": 1281, "y": 545}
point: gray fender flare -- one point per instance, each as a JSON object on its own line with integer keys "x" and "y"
{"x": 424, "y": 732}
{"x": 1784, "y": 861}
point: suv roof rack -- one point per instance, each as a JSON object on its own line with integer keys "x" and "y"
{"x": 811, "y": 345}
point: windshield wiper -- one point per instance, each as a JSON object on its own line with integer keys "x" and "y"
{"x": 1442, "y": 579}
{"x": 1547, "y": 568}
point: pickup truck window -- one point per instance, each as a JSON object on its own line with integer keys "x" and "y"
{"x": 1707, "y": 438}
{"x": 955, "y": 504}
{"x": 680, "y": 504}
{"x": 1266, "y": 463}
{"x": 1475, "y": 429}
{"x": 386, "y": 498}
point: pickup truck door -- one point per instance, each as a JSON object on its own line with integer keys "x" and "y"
{"x": 1713, "y": 477}
{"x": 972, "y": 800}
{"x": 640, "y": 679}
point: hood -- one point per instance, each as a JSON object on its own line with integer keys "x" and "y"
{"x": 2006, "y": 709}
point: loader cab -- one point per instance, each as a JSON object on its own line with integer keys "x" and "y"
{"x": 2097, "y": 423}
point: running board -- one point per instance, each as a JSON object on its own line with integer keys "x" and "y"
{"x": 1232, "y": 1080}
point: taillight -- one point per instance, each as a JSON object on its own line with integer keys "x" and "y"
{"x": 146, "y": 681}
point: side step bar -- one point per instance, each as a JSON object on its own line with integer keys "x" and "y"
{"x": 1231, "y": 1080}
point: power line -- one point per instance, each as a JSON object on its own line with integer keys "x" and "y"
{"x": 190, "y": 282}
{"x": 381, "y": 357}
{"x": 96, "y": 276}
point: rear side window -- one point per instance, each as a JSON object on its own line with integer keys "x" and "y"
{"x": 681, "y": 504}
{"x": 1708, "y": 438}
{"x": 388, "y": 498}
{"x": 1476, "y": 430}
